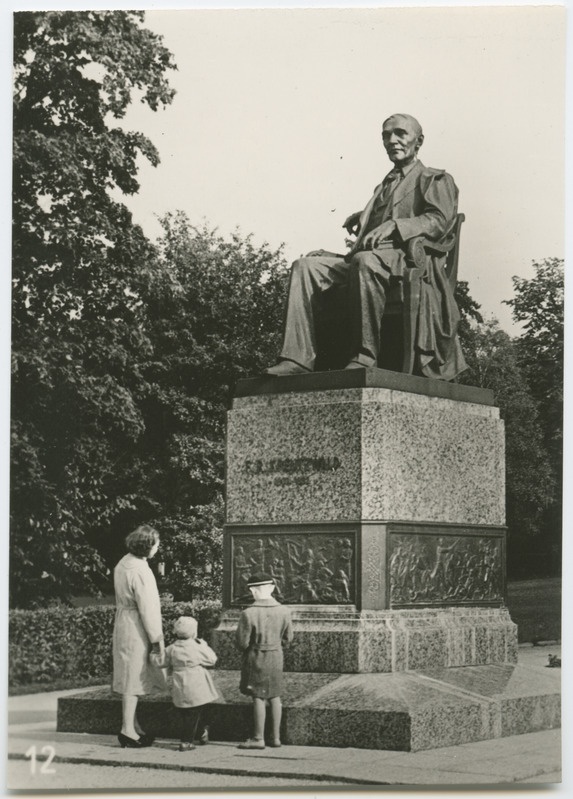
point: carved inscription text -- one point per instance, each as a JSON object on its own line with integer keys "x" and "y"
{"x": 291, "y": 471}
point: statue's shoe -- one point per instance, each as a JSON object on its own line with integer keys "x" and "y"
{"x": 356, "y": 364}
{"x": 286, "y": 368}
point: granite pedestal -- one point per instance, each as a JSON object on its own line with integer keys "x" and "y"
{"x": 376, "y": 501}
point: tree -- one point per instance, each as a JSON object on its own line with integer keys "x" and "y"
{"x": 493, "y": 359}
{"x": 469, "y": 311}
{"x": 74, "y": 73}
{"x": 80, "y": 268}
{"x": 539, "y": 305}
{"x": 215, "y": 313}
{"x": 192, "y": 552}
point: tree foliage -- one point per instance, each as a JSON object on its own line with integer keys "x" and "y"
{"x": 493, "y": 359}
{"x": 526, "y": 376}
{"x": 80, "y": 268}
{"x": 215, "y": 315}
{"x": 538, "y": 305}
{"x": 469, "y": 311}
{"x": 75, "y": 74}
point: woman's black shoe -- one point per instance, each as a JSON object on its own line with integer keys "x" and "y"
{"x": 130, "y": 743}
{"x": 147, "y": 739}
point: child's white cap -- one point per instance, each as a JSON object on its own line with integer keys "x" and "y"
{"x": 185, "y": 627}
{"x": 260, "y": 579}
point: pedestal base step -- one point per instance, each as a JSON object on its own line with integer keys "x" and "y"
{"x": 407, "y": 711}
{"x": 342, "y": 639}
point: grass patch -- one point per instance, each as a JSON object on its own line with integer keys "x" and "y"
{"x": 535, "y": 606}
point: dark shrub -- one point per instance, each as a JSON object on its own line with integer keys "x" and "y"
{"x": 59, "y": 642}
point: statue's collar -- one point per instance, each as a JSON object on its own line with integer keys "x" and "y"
{"x": 403, "y": 170}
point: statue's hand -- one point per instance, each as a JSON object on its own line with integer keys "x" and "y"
{"x": 315, "y": 253}
{"x": 381, "y": 233}
{"x": 352, "y": 224}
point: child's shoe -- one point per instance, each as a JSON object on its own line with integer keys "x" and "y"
{"x": 185, "y": 746}
{"x": 252, "y": 743}
{"x": 276, "y": 743}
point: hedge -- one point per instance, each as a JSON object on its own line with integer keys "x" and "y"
{"x": 59, "y": 642}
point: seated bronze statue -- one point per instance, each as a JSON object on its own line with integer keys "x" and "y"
{"x": 405, "y": 247}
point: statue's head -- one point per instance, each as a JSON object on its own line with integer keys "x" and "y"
{"x": 402, "y": 137}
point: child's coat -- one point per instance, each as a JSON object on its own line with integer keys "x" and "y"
{"x": 192, "y": 684}
{"x": 262, "y": 629}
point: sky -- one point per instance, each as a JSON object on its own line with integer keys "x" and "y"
{"x": 275, "y": 127}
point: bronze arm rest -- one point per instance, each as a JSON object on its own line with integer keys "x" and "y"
{"x": 419, "y": 246}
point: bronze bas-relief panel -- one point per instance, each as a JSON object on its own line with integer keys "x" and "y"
{"x": 308, "y": 568}
{"x": 445, "y": 570}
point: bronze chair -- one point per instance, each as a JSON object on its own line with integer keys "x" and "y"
{"x": 400, "y": 320}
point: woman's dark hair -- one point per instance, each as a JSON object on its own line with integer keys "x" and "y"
{"x": 142, "y": 540}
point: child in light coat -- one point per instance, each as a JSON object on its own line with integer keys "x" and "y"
{"x": 192, "y": 688}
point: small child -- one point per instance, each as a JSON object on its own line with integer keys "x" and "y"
{"x": 192, "y": 685}
{"x": 263, "y": 627}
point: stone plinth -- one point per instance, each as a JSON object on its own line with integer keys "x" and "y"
{"x": 402, "y": 711}
{"x": 381, "y": 451}
{"x": 345, "y": 641}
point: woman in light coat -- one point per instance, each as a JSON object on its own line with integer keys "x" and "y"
{"x": 137, "y": 630}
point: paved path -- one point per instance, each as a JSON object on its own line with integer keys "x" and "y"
{"x": 86, "y": 762}
{"x": 113, "y": 779}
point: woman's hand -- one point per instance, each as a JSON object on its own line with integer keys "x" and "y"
{"x": 158, "y": 648}
{"x": 157, "y": 654}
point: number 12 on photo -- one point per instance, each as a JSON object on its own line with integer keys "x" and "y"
{"x": 49, "y": 752}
